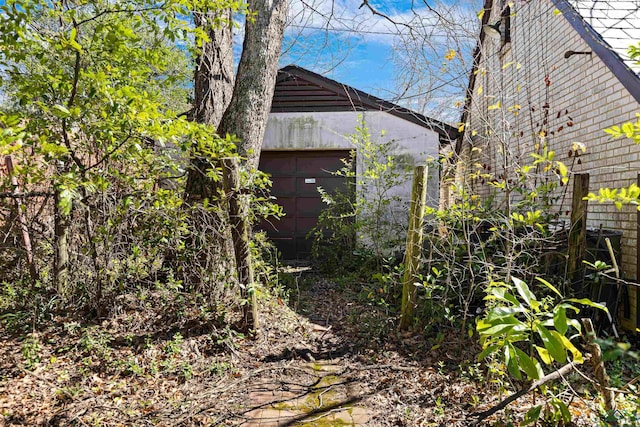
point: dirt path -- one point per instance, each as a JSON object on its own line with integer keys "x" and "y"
{"x": 329, "y": 367}
{"x": 339, "y": 361}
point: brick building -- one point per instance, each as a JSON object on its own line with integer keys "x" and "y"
{"x": 549, "y": 73}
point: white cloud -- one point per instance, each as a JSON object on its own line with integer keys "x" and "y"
{"x": 348, "y": 18}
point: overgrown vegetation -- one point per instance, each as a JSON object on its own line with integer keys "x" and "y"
{"x": 94, "y": 125}
{"x": 494, "y": 266}
{"x": 96, "y": 227}
{"x": 367, "y": 210}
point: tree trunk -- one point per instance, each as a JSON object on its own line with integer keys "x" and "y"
{"x": 214, "y": 68}
{"x": 20, "y": 213}
{"x": 250, "y": 104}
{"x": 245, "y": 116}
{"x": 240, "y": 231}
{"x": 213, "y": 87}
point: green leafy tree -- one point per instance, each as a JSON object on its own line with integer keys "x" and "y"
{"x": 92, "y": 117}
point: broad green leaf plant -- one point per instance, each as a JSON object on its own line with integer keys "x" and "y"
{"x": 524, "y": 335}
{"x": 542, "y": 324}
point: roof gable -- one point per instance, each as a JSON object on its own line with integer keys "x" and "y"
{"x": 295, "y": 93}
{"x": 605, "y": 25}
{"x": 301, "y": 90}
{"x": 617, "y": 22}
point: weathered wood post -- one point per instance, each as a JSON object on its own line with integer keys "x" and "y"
{"x": 599, "y": 370}
{"x": 414, "y": 245}
{"x": 578, "y": 230}
{"x": 240, "y": 234}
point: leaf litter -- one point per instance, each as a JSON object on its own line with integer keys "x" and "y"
{"x": 334, "y": 360}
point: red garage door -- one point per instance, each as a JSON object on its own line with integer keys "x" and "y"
{"x": 296, "y": 176}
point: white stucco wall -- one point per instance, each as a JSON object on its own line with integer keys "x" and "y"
{"x": 329, "y": 130}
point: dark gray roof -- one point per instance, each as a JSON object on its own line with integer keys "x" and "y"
{"x": 617, "y": 22}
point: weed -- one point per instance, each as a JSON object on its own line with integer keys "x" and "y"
{"x": 626, "y": 414}
{"x": 65, "y": 394}
{"x": 475, "y": 400}
{"x": 186, "y": 370}
{"x": 31, "y": 351}
{"x": 439, "y": 409}
{"x": 72, "y": 328}
{"x": 173, "y": 347}
{"x": 96, "y": 342}
{"x": 135, "y": 368}
{"x": 219, "y": 368}
{"x": 472, "y": 372}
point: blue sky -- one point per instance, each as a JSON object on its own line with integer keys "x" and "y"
{"x": 401, "y": 61}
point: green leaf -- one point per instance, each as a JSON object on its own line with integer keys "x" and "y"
{"x": 525, "y": 292}
{"x": 66, "y": 201}
{"x": 54, "y": 150}
{"x": 74, "y": 44}
{"x": 564, "y": 411}
{"x": 501, "y": 294}
{"x": 570, "y": 307}
{"x": 562, "y": 169}
{"x": 506, "y": 312}
{"x": 526, "y": 364}
{"x": 553, "y": 344}
{"x": 496, "y": 330}
{"x": 588, "y": 303}
{"x": 575, "y": 324}
{"x": 544, "y": 354}
{"x": 614, "y": 131}
{"x": 560, "y": 320}
{"x": 511, "y": 361}
{"x": 577, "y": 355}
{"x": 532, "y": 415}
{"x": 487, "y": 351}
{"x": 61, "y": 111}
{"x": 549, "y": 285}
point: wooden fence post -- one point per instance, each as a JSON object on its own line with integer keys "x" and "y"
{"x": 240, "y": 233}
{"x": 578, "y": 230}
{"x": 414, "y": 245}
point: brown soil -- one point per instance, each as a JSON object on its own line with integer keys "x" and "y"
{"x": 331, "y": 361}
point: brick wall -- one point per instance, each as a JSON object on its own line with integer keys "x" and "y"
{"x": 570, "y": 99}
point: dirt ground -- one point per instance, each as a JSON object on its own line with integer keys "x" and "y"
{"x": 325, "y": 359}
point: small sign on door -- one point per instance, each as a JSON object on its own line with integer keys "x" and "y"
{"x": 309, "y": 180}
